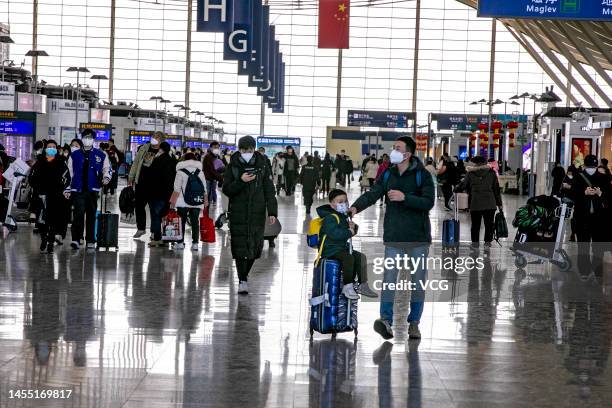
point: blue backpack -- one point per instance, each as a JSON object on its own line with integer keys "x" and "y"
{"x": 194, "y": 190}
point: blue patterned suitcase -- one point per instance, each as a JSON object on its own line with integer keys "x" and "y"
{"x": 331, "y": 312}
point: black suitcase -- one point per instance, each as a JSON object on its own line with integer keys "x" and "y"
{"x": 108, "y": 228}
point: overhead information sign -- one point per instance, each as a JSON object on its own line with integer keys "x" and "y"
{"x": 379, "y": 119}
{"x": 547, "y": 9}
{"x": 287, "y": 141}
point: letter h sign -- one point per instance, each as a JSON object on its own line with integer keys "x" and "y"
{"x": 215, "y": 16}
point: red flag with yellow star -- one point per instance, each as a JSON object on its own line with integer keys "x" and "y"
{"x": 334, "y": 23}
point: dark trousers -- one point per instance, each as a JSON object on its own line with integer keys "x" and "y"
{"x": 447, "y": 191}
{"x": 352, "y": 264}
{"x": 308, "y": 198}
{"x": 591, "y": 247}
{"x": 141, "y": 203}
{"x": 211, "y": 185}
{"x": 156, "y": 210}
{"x": 325, "y": 186}
{"x": 477, "y": 217}
{"x": 244, "y": 267}
{"x": 84, "y": 216}
{"x": 53, "y": 214}
{"x": 290, "y": 182}
{"x": 194, "y": 220}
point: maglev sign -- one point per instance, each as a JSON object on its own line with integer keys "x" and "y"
{"x": 547, "y": 9}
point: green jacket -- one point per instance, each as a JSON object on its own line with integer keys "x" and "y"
{"x": 337, "y": 234}
{"x": 406, "y": 221}
{"x": 137, "y": 164}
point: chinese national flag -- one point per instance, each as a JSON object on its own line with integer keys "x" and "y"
{"x": 334, "y": 23}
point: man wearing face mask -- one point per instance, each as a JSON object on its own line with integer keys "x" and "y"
{"x": 213, "y": 173}
{"x": 410, "y": 196}
{"x": 590, "y": 191}
{"x": 142, "y": 179}
{"x": 89, "y": 169}
{"x": 248, "y": 184}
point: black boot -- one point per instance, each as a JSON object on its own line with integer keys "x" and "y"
{"x": 271, "y": 243}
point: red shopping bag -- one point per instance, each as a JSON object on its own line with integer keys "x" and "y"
{"x": 172, "y": 227}
{"x": 207, "y": 228}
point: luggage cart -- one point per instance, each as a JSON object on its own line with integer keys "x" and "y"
{"x": 10, "y": 224}
{"x": 550, "y": 250}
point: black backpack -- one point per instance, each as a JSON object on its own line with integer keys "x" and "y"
{"x": 194, "y": 190}
{"x": 127, "y": 200}
{"x": 501, "y": 226}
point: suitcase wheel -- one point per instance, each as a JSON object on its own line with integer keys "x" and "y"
{"x": 334, "y": 335}
{"x": 520, "y": 261}
{"x": 356, "y": 332}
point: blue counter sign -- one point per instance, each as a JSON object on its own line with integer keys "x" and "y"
{"x": 547, "y": 9}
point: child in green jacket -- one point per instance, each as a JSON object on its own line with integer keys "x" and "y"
{"x": 337, "y": 230}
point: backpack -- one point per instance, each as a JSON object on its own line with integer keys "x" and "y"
{"x": 194, "y": 189}
{"x": 127, "y": 200}
{"x": 387, "y": 174}
{"x": 501, "y": 227}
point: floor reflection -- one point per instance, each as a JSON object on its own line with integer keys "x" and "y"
{"x": 151, "y": 328}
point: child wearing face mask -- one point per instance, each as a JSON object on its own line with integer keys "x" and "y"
{"x": 338, "y": 229}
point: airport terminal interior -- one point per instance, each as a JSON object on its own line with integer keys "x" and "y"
{"x": 430, "y": 117}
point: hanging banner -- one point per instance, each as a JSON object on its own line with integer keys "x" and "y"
{"x": 215, "y": 16}
{"x": 334, "y": 23}
{"x": 238, "y": 43}
{"x": 257, "y": 70}
{"x": 280, "y": 106}
{"x": 273, "y": 100}
{"x": 267, "y": 90}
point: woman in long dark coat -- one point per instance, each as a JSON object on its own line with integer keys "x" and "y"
{"x": 248, "y": 184}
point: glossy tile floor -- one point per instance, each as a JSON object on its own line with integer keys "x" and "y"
{"x": 155, "y": 328}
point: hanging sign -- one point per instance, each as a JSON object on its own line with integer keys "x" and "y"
{"x": 215, "y": 16}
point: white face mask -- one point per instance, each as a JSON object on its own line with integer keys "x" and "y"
{"x": 247, "y": 156}
{"x": 74, "y": 148}
{"x": 396, "y": 157}
{"x": 215, "y": 152}
{"x": 154, "y": 142}
{"x": 342, "y": 208}
{"x": 88, "y": 142}
{"x": 590, "y": 170}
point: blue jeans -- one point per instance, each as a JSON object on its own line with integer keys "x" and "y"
{"x": 211, "y": 185}
{"x": 156, "y": 207}
{"x": 417, "y": 299}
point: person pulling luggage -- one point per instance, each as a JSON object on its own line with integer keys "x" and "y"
{"x": 338, "y": 230}
{"x": 407, "y": 228}
{"x": 89, "y": 169}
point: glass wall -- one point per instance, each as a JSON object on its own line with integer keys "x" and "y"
{"x": 378, "y": 69}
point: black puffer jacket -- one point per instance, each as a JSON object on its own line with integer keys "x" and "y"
{"x": 483, "y": 188}
{"x": 309, "y": 177}
{"x": 248, "y": 204}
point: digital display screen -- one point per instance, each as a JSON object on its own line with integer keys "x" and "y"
{"x": 193, "y": 144}
{"x": 140, "y": 139}
{"x": 17, "y": 127}
{"x": 174, "y": 142}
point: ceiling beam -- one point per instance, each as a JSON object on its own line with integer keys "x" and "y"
{"x": 558, "y": 43}
{"x": 560, "y": 66}
{"x": 534, "y": 54}
{"x": 587, "y": 55}
{"x": 605, "y": 50}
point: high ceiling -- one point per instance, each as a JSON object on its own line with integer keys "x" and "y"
{"x": 589, "y": 42}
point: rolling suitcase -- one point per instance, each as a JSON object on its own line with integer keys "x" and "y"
{"x": 107, "y": 227}
{"x": 331, "y": 312}
{"x": 450, "y": 231}
{"x": 462, "y": 201}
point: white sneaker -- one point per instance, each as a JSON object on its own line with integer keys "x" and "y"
{"x": 243, "y": 288}
{"x": 195, "y": 247}
{"x": 75, "y": 245}
{"x": 349, "y": 291}
{"x": 179, "y": 246}
{"x": 139, "y": 233}
{"x": 91, "y": 245}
